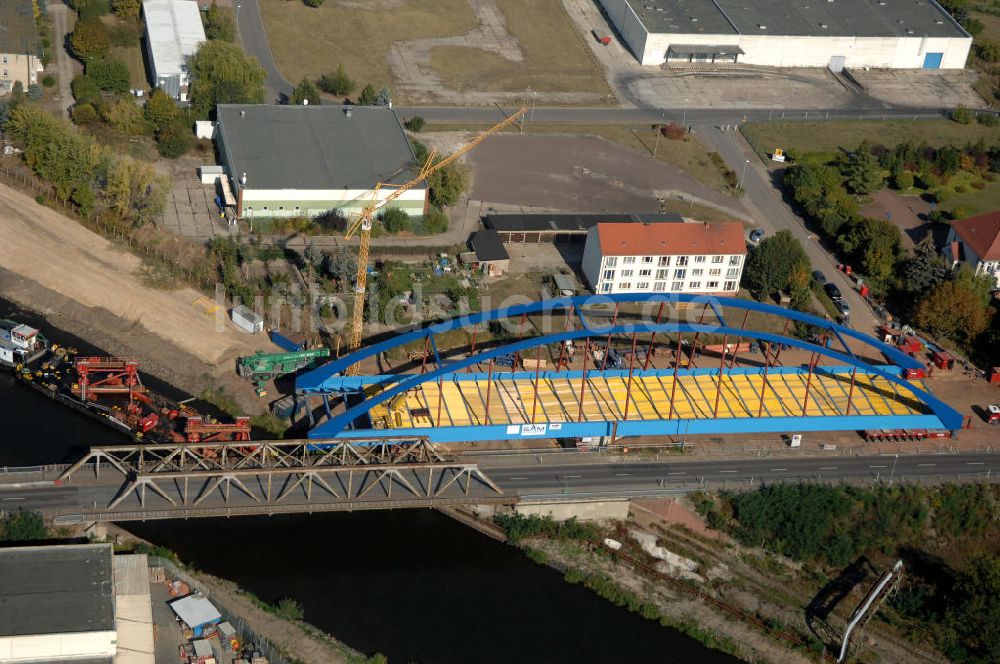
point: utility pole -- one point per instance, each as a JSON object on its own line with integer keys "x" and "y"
{"x": 744, "y": 174}
{"x": 659, "y": 130}
{"x": 892, "y": 474}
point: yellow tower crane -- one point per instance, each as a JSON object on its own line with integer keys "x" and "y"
{"x": 363, "y": 224}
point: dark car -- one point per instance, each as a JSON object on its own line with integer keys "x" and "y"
{"x": 756, "y": 235}
{"x": 843, "y": 308}
{"x": 819, "y": 277}
{"x": 833, "y": 291}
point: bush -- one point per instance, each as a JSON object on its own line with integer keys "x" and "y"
{"x": 903, "y": 180}
{"x": 289, "y": 608}
{"x": 674, "y": 131}
{"x": 435, "y": 222}
{"x": 34, "y": 92}
{"x": 395, "y": 220}
{"x": 962, "y": 115}
{"x": 338, "y": 83}
{"x": 415, "y": 124}
{"x": 220, "y": 23}
{"x": 85, "y": 89}
{"x": 368, "y": 96}
{"x": 174, "y": 139}
{"x": 109, "y": 73}
{"x": 313, "y": 3}
{"x": 84, "y": 114}
{"x": 89, "y": 39}
{"x": 988, "y": 120}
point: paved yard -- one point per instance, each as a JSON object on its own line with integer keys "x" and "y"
{"x": 907, "y": 213}
{"x": 191, "y": 211}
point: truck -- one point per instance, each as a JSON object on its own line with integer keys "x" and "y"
{"x": 262, "y": 367}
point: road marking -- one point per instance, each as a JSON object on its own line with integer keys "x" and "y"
{"x": 878, "y": 466}
{"x": 828, "y": 468}
{"x": 517, "y": 478}
{"x": 974, "y": 463}
{"x": 571, "y": 477}
{"x": 13, "y": 499}
{"x": 775, "y": 470}
{"x": 622, "y": 474}
{"x": 728, "y": 471}
{"x": 926, "y": 464}
{"x": 677, "y": 473}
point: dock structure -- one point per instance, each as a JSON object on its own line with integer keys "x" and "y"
{"x": 485, "y": 394}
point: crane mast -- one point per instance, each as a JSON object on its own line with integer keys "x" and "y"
{"x": 363, "y": 224}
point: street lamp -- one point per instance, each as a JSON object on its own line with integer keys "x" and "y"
{"x": 893, "y": 472}
{"x": 659, "y": 130}
{"x": 743, "y": 175}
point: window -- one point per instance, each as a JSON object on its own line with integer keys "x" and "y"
{"x": 695, "y": 285}
{"x": 265, "y": 208}
{"x": 625, "y": 286}
{"x": 281, "y": 207}
{"x": 626, "y": 273}
{"x": 712, "y": 285}
{"x": 645, "y": 273}
{"x": 5, "y": 59}
{"x": 699, "y": 259}
{"x": 647, "y": 259}
{"x": 730, "y": 286}
{"x": 682, "y": 261}
{"x": 696, "y": 272}
{"x": 628, "y": 260}
{"x": 735, "y": 260}
{"x": 660, "y": 286}
{"x": 733, "y": 272}
{"x": 714, "y": 272}
{"x": 609, "y": 274}
{"x": 642, "y": 285}
{"x": 717, "y": 259}
{"x": 662, "y": 274}
{"x": 664, "y": 261}
{"x": 296, "y": 208}
{"x": 611, "y": 261}
{"x": 680, "y": 274}
{"x": 606, "y": 288}
{"x": 677, "y": 286}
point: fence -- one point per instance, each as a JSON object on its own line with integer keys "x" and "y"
{"x": 247, "y": 633}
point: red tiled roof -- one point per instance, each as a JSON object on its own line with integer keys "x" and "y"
{"x": 982, "y": 234}
{"x": 721, "y": 237}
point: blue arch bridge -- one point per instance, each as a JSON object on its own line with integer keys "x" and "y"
{"x": 624, "y": 365}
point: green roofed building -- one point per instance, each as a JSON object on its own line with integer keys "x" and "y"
{"x": 290, "y": 161}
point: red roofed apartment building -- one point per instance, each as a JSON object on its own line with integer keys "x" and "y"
{"x": 976, "y": 241}
{"x": 691, "y": 257}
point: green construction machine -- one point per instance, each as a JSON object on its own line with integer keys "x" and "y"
{"x": 262, "y": 367}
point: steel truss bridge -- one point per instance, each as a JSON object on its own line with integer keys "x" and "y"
{"x": 270, "y": 477}
{"x": 480, "y": 396}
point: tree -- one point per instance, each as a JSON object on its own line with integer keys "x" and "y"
{"x": 415, "y": 124}
{"x": 902, "y": 180}
{"x": 875, "y": 245}
{"x": 988, "y": 50}
{"x": 174, "y": 139}
{"x": 223, "y": 74}
{"x": 395, "y": 220}
{"x": 220, "y": 23}
{"x": 368, "y": 96}
{"x": 447, "y": 184}
{"x": 341, "y": 264}
{"x": 338, "y": 83}
{"x": 85, "y": 90}
{"x": 952, "y": 310}
{"x": 972, "y": 618}
{"x": 818, "y": 191}
{"x": 22, "y": 527}
{"x": 926, "y": 269}
{"x": 84, "y": 114}
{"x": 89, "y": 39}
{"x": 109, "y": 73}
{"x": 304, "y": 92}
{"x": 136, "y": 192}
{"x": 980, "y": 284}
{"x": 125, "y": 115}
{"x": 126, "y": 10}
{"x": 435, "y": 222}
{"x": 771, "y": 264}
{"x": 160, "y": 110}
{"x": 861, "y": 172}
{"x": 962, "y": 115}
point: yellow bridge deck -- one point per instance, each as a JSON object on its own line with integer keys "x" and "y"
{"x": 463, "y": 402}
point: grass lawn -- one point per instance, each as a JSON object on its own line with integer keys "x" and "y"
{"x": 555, "y": 57}
{"x": 801, "y": 137}
{"x": 132, "y": 56}
{"x": 974, "y": 201}
{"x": 690, "y": 156}
{"x": 311, "y": 42}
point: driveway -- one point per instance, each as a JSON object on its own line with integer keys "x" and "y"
{"x": 63, "y": 20}
{"x": 254, "y": 40}
{"x": 764, "y": 200}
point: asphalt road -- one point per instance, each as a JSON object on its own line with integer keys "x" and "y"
{"x": 566, "y": 478}
{"x": 254, "y": 40}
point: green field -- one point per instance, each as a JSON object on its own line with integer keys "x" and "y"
{"x": 310, "y": 42}
{"x": 802, "y": 137}
{"x": 555, "y": 57}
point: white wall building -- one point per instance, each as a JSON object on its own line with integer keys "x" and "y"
{"x": 57, "y": 603}
{"x": 890, "y": 34}
{"x": 976, "y": 242}
{"x": 693, "y": 257}
{"x": 173, "y": 34}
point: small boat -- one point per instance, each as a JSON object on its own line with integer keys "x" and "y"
{"x": 20, "y": 344}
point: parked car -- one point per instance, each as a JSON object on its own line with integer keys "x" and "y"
{"x": 843, "y": 308}
{"x": 833, "y": 291}
{"x": 756, "y": 235}
{"x": 819, "y": 277}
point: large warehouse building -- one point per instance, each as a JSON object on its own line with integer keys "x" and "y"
{"x": 173, "y": 34}
{"x": 893, "y": 34}
{"x": 290, "y": 161}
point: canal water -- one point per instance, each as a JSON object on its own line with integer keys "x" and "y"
{"x": 411, "y": 584}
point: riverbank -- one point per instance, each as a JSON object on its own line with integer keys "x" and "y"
{"x": 80, "y": 282}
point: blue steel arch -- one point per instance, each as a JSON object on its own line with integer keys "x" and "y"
{"x": 322, "y": 379}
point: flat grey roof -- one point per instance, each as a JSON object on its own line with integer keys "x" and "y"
{"x": 17, "y": 28}
{"x": 56, "y": 589}
{"x": 314, "y": 147}
{"x": 487, "y": 245}
{"x": 841, "y": 18}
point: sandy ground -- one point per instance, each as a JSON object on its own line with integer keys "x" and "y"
{"x": 82, "y": 283}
